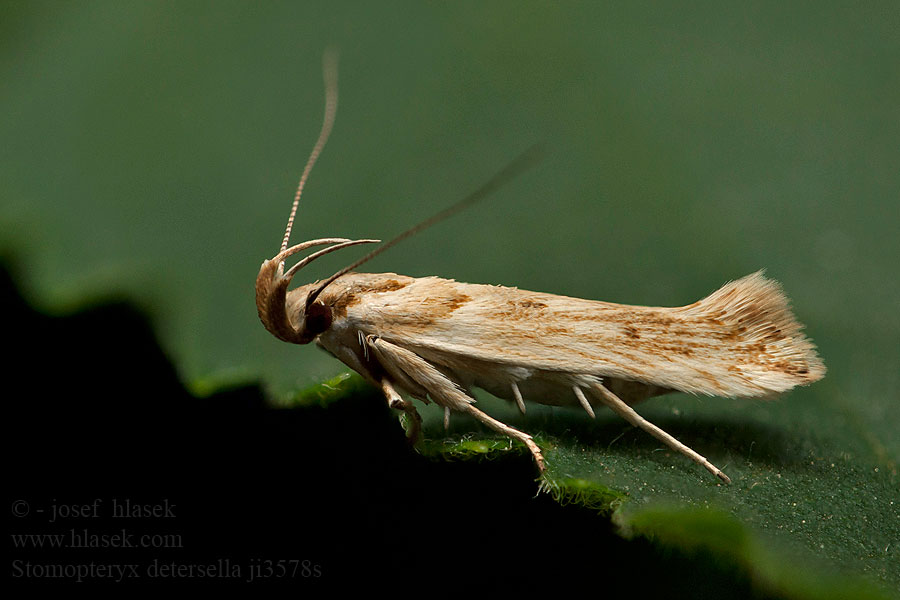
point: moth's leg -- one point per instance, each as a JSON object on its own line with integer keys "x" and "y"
{"x": 517, "y": 394}
{"x": 396, "y": 402}
{"x": 400, "y": 362}
{"x": 629, "y": 414}
{"x": 510, "y": 432}
{"x": 582, "y": 399}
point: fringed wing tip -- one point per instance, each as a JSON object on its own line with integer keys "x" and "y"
{"x": 770, "y": 350}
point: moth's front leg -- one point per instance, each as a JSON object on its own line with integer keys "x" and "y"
{"x": 396, "y": 402}
{"x": 405, "y": 365}
{"x": 358, "y": 359}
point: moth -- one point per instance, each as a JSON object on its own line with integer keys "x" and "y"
{"x": 435, "y": 339}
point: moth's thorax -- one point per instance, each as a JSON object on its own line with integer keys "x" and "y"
{"x": 354, "y": 288}
{"x": 343, "y": 299}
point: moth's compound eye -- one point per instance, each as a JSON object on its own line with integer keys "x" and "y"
{"x": 318, "y": 318}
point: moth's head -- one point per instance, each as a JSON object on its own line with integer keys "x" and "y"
{"x": 295, "y": 316}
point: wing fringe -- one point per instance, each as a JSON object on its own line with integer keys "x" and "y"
{"x": 770, "y": 351}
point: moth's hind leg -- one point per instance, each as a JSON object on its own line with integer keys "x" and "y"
{"x": 396, "y": 402}
{"x": 630, "y": 415}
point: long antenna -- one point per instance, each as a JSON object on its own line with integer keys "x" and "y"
{"x": 330, "y": 74}
{"x": 522, "y": 162}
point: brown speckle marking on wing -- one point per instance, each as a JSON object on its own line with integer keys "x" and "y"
{"x": 631, "y": 331}
{"x": 448, "y": 303}
{"x": 532, "y": 304}
{"x": 546, "y": 329}
{"x": 521, "y": 309}
{"x": 434, "y": 308}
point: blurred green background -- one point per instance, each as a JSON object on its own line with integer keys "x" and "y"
{"x": 151, "y": 149}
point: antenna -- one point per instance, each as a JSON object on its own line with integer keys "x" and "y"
{"x": 330, "y": 75}
{"x": 519, "y": 164}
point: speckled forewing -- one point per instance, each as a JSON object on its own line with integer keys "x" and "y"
{"x": 740, "y": 341}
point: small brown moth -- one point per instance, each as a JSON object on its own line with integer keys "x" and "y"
{"x": 435, "y": 339}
